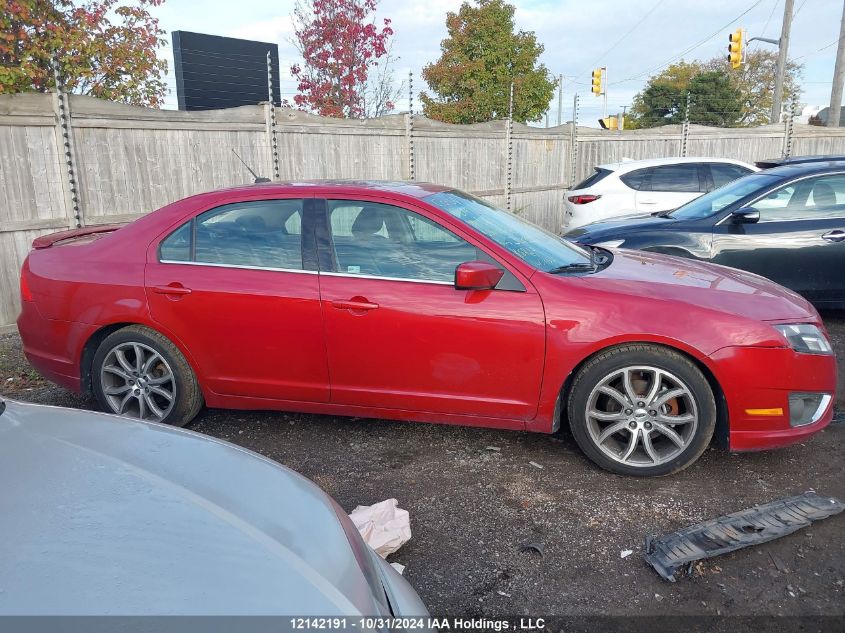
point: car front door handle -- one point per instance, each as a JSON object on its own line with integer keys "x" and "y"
{"x": 172, "y": 289}
{"x": 834, "y": 236}
{"x": 355, "y": 304}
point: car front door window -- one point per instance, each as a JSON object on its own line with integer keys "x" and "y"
{"x": 381, "y": 240}
{"x": 811, "y": 199}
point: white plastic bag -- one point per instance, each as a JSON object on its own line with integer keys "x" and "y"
{"x": 384, "y": 526}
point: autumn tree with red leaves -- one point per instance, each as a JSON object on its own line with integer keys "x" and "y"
{"x": 104, "y": 48}
{"x": 341, "y": 45}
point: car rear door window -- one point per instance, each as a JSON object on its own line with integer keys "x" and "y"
{"x": 680, "y": 178}
{"x": 257, "y": 234}
{"x": 818, "y": 198}
{"x": 381, "y": 240}
{"x": 723, "y": 173}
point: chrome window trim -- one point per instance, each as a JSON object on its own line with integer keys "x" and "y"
{"x": 780, "y": 186}
{"x": 413, "y": 281}
{"x": 240, "y": 267}
{"x": 308, "y": 272}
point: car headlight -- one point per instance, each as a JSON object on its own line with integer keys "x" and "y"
{"x": 805, "y": 338}
{"x": 610, "y": 244}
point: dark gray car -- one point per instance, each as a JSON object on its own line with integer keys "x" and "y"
{"x": 105, "y": 515}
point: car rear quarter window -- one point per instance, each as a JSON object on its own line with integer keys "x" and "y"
{"x": 598, "y": 176}
{"x": 257, "y": 234}
{"x": 680, "y": 178}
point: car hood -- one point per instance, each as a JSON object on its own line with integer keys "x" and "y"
{"x": 664, "y": 277}
{"x": 105, "y": 515}
{"x": 617, "y": 227}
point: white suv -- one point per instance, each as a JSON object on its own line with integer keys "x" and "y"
{"x": 646, "y": 186}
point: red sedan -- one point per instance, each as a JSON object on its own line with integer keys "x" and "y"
{"x": 418, "y": 302}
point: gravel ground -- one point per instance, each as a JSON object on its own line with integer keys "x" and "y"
{"x": 475, "y": 499}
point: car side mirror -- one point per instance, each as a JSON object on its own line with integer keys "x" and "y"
{"x": 477, "y": 276}
{"x": 746, "y": 215}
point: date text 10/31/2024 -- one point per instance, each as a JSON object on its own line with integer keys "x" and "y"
{"x": 415, "y": 623}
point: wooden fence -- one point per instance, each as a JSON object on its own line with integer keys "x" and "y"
{"x": 68, "y": 160}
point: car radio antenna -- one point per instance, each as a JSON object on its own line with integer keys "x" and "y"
{"x": 258, "y": 179}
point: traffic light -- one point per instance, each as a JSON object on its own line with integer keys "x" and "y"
{"x": 735, "y": 48}
{"x": 609, "y": 123}
{"x": 597, "y": 82}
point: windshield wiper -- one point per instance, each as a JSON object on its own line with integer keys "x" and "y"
{"x": 577, "y": 266}
{"x": 572, "y": 267}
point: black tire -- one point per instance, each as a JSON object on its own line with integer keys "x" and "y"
{"x": 187, "y": 397}
{"x": 699, "y": 399}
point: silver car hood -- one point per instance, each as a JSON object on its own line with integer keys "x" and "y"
{"x": 105, "y": 515}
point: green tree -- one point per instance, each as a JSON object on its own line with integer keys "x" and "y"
{"x": 479, "y": 59}
{"x": 105, "y": 48}
{"x": 663, "y": 100}
{"x": 755, "y": 80}
{"x": 714, "y": 100}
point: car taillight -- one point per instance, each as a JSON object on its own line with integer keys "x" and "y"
{"x": 26, "y": 293}
{"x": 583, "y": 199}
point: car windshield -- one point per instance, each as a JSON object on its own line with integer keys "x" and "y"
{"x": 535, "y": 246}
{"x": 718, "y": 199}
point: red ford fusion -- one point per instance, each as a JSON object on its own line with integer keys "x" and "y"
{"x": 412, "y": 301}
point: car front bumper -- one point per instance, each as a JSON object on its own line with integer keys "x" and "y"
{"x": 757, "y": 382}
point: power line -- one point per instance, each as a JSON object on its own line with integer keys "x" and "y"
{"x": 769, "y": 19}
{"x": 691, "y": 48}
{"x": 817, "y": 51}
{"x": 631, "y": 30}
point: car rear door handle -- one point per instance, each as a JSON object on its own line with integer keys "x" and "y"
{"x": 171, "y": 290}
{"x": 354, "y": 305}
{"x": 834, "y": 236}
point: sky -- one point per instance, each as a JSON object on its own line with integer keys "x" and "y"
{"x": 632, "y": 38}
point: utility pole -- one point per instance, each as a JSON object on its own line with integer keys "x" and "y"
{"x": 783, "y": 50}
{"x": 604, "y": 109}
{"x": 838, "y": 78}
{"x": 560, "y": 98}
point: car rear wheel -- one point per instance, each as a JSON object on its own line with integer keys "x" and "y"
{"x": 139, "y": 373}
{"x": 642, "y": 410}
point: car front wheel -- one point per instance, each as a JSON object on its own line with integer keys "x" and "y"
{"x": 642, "y": 410}
{"x": 139, "y": 373}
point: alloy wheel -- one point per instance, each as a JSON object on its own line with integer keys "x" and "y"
{"x": 138, "y": 382}
{"x": 641, "y": 416}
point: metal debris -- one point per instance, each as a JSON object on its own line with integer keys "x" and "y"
{"x": 669, "y": 553}
{"x": 536, "y": 547}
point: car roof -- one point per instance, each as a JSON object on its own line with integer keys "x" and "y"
{"x": 629, "y": 165}
{"x": 801, "y": 168}
{"x": 345, "y": 187}
{"x": 160, "y": 520}
{"x": 791, "y": 160}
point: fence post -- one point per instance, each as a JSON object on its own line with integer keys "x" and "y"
{"x": 65, "y": 146}
{"x": 409, "y": 128}
{"x": 270, "y": 120}
{"x": 509, "y": 150}
{"x": 573, "y": 143}
{"x": 685, "y": 128}
{"x": 788, "y": 125}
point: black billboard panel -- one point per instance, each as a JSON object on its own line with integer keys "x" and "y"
{"x": 222, "y": 72}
